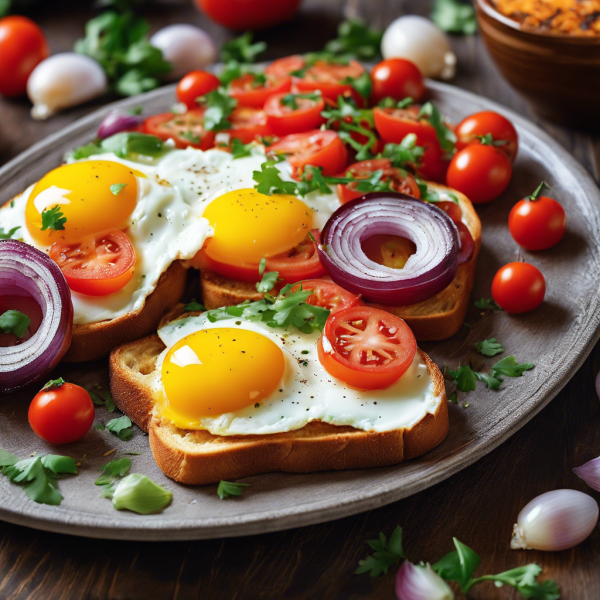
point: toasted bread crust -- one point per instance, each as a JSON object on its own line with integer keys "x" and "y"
{"x": 198, "y": 457}
{"x": 438, "y": 318}
{"x": 95, "y": 340}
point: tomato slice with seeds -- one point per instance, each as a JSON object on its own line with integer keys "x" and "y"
{"x": 284, "y": 119}
{"x": 248, "y": 92}
{"x": 366, "y": 348}
{"x": 284, "y": 67}
{"x": 329, "y": 77}
{"x": 394, "y": 124}
{"x": 99, "y": 265}
{"x": 328, "y": 295}
{"x": 248, "y": 124}
{"x": 185, "y": 130}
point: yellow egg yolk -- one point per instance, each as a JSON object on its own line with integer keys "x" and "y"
{"x": 216, "y": 371}
{"x": 92, "y": 196}
{"x": 249, "y": 226}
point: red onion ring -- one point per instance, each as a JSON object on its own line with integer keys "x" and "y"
{"x": 27, "y": 271}
{"x": 426, "y": 273}
{"x": 117, "y": 121}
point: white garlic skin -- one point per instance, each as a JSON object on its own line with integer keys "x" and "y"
{"x": 414, "y": 582}
{"x": 62, "y": 81}
{"x": 555, "y": 520}
{"x": 417, "y": 39}
{"x": 186, "y": 47}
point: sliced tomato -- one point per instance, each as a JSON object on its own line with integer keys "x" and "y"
{"x": 328, "y": 295}
{"x": 452, "y": 209}
{"x": 398, "y": 179}
{"x": 433, "y": 165}
{"x": 97, "y": 266}
{"x": 366, "y": 348}
{"x": 185, "y": 130}
{"x": 318, "y": 148}
{"x": 247, "y": 124}
{"x": 248, "y": 93}
{"x": 284, "y": 119}
{"x": 284, "y": 67}
{"x": 329, "y": 77}
{"x": 394, "y": 124}
{"x": 300, "y": 262}
{"x": 196, "y": 84}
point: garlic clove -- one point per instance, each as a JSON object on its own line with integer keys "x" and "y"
{"x": 420, "y": 582}
{"x": 555, "y": 520}
{"x": 62, "y": 81}
{"x": 590, "y": 473}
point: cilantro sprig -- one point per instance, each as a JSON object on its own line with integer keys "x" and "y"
{"x": 194, "y": 306}
{"x": 7, "y": 235}
{"x": 102, "y": 398}
{"x": 113, "y": 470}
{"x": 465, "y": 377}
{"x": 239, "y": 149}
{"x": 446, "y": 137}
{"x": 454, "y": 16}
{"x": 53, "y": 218}
{"x": 242, "y": 49}
{"x": 219, "y": 106}
{"x": 386, "y": 554}
{"x": 405, "y": 155}
{"x": 268, "y": 279}
{"x": 489, "y": 347}
{"x": 291, "y": 100}
{"x": 229, "y": 489}
{"x": 356, "y": 39}
{"x": 127, "y": 144}
{"x": 487, "y": 304}
{"x": 15, "y": 322}
{"x": 121, "y": 427}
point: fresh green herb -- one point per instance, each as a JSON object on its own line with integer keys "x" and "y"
{"x": 488, "y": 140}
{"x": 219, "y": 105}
{"x": 268, "y": 281}
{"x": 489, "y": 347}
{"x": 239, "y": 149}
{"x": 194, "y": 306}
{"x": 291, "y": 100}
{"x": 454, "y": 16}
{"x": 487, "y": 304}
{"x": 190, "y": 136}
{"x": 119, "y": 42}
{"x": 127, "y": 144}
{"x": 113, "y": 470}
{"x": 242, "y": 49}
{"x": 115, "y": 188}
{"x": 139, "y": 494}
{"x": 356, "y": 39}
{"x": 453, "y": 398}
{"x": 362, "y": 84}
{"x": 386, "y": 554}
{"x": 390, "y": 102}
{"x": 54, "y": 219}
{"x": 269, "y": 180}
{"x": 228, "y": 489}
{"x": 8, "y": 235}
{"x": 405, "y": 155}
{"x": 121, "y": 427}
{"x": 4, "y": 7}
{"x": 135, "y": 111}
{"x": 464, "y": 378}
{"x": 38, "y": 475}
{"x": 103, "y": 398}
{"x": 489, "y": 379}
{"x": 14, "y": 321}
{"x": 446, "y": 137}
{"x": 509, "y": 367}
{"x": 99, "y": 426}
{"x": 53, "y": 384}
{"x": 538, "y": 192}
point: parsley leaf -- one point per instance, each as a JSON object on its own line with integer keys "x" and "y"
{"x": 406, "y": 154}
{"x": 464, "y": 378}
{"x": 390, "y": 102}
{"x": 13, "y": 321}
{"x": 239, "y": 149}
{"x": 357, "y": 40}
{"x": 489, "y": 379}
{"x": 242, "y": 49}
{"x": 362, "y": 84}
{"x": 127, "y": 144}
{"x": 4, "y": 7}
{"x": 194, "y": 306}
{"x": 268, "y": 281}
{"x": 53, "y": 218}
{"x": 487, "y": 304}
{"x": 489, "y": 347}
{"x": 269, "y": 180}
{"x": 103, "y": 398}
{"x": 9, "y": 234}
{"x": 387, "y": 553}
{"x": 219, "y": 105}
{"x": 291, "y": 100}
{"x": 112, "y": 470}
{"x": 228, "y": 489}
{"x": 115, "y": 188}
{"x": 509, "y": 367}
{"x": 524, "y": 580}
{"x": 446, "y": 136}
{"x": 458, "y": 565}
{"x": 454, "y": 16}
{"x": 121, "y": 427}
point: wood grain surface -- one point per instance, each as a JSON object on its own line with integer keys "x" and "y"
{"x": 478, "y": 505}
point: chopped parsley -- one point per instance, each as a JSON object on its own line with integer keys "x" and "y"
{"x": 228, "y": 489}
{"x": 487, "y": 304}
{"x": 362, "y": 84}
{"x": 454, "y": 16}
{"x": 115, "y": 188}
{"x": 446, "y": 137}
{"x": 121, "y": 427}
{"x": 113, "y": 470}
{"x": 54, "y": 219}
{"x": 9, "y": 234}
{"x": 268, "y": 281}
{"x": 356, "y": 40}
{"x": 242, "y": 49}
{"x": 127, "y": 144}
{"x": 239, "y": 149}
{"x": 102, "y": 398}
{"x": 269, "y": 180}
{"x": 390, "y": 102}
{"x": 489, "y": 347}
{"x": 219, "y": 105}
{"x": 406, "y": 154}
{"x": 386, "y": 554}
{"x": 465, "y": 378}
{"x": 194, "y": 306}
{"x": 15, "y": 322}
{"x": 291, "y": 100}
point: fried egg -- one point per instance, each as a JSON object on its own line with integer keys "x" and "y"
{"x": 236, "y": 377}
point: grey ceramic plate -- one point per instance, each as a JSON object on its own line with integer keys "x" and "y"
{"x": 556, "y": 338}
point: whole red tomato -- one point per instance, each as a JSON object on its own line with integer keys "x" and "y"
{"x": 396, "y": 78}
{"x": 248, "y": 14}
{"x": 194, "y": 85}
{"x": 488, "y": 123}
{"x": 22, "y": 47}
{"x": 518, "y": 287}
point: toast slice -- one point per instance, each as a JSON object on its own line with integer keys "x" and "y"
{"x": 198, "y": 457}
{"x": 437, "y": 318}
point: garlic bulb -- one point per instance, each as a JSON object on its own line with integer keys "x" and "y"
{"x": 590, "y": 473}
{"x": 62, "y": 81}
{"x": 414, "y": 582}
{"x": 186, "y": 47}
{"x": 555, "y": 520}
{"x": 417, "y": 39}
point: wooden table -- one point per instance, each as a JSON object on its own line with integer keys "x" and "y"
{"x": 478, "y": 505}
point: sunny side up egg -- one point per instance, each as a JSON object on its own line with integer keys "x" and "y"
{"x": 235, "y": 377}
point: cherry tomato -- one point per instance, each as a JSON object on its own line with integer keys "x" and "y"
{"x": 452, "y": 209}
{"x": 484, "y": 123}
{"x": 284, "y": 67}
{"x": 284, "y": 119}
{"x": 537, "y": 224}
{"x": 248, "y": 92}
{"x": 61, "y": 413}
{"x": 242, "y": 15}
{"x": 194, "y": 85}
{"x": 480, "y": 172}
{"x": 97, "y": 266}
{"x": 185, "y": 130}
{"x": 318, "y": 148}
{"x": 328, "y": 78}
{"x": 396, "y": 78}
{"x": 433, "y": 165}
{"x": 394, "y": 124}
{"x": 22, "y": 47}
{"x": 247, "y": 124}
{"x": 518, "y": 287}
{"x": 398, "y": 180}
{"x": 328, "y": 295}
{"x": 366, "y": 348}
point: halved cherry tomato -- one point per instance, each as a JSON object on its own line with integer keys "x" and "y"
{"x": 480, "y": 172}
{"x": 61, "y": 414}
{"x": 328, "y": 295}
{"x": 396, "y": 78}
{"x": 318, "y": 148}
{"x": 394, "y": 124}
{"x": 518, "y": 287}
{"x": 247, "y": 124}
{"x": 194, "y": 85}
{"x": 452, "y": 209}
{"x": 537, "y": 224}
{"x": 488, "y": 122}
{"x": 284, "y": 119}
{"x": 433, "y": 165}
{"x": 101, "y": 264}
{"x": 248, "y": 93}
{"x": 185, "y": 130}
{"x": 329, "y": 78}
{"x": 300, "y": 262}
{"x": 366, "y": 348}
{"x": 398, "y": 180}
{"x": 284, "y": 67}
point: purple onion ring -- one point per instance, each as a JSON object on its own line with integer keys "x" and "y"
{"x": 427, "y": 272}
{"x": 117, "y": 121}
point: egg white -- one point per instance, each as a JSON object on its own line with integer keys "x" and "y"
{"x": 307, "y": 392}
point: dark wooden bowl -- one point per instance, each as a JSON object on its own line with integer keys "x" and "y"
{"x": 558, "y": 74}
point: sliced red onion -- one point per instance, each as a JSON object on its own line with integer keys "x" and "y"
{"x": 427, "y": 272}
{"x": 590, "y": 473}
{"x": 414, "y": 582}
{"x": 27, "y": 271}
{"x": 117, "y": 121}
{"x": 467, "y": 244}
